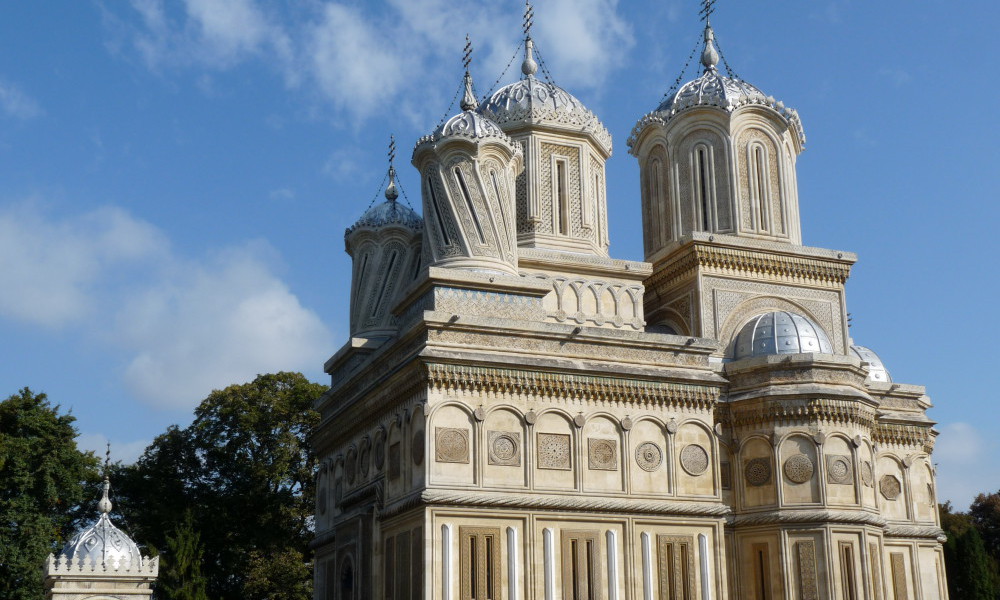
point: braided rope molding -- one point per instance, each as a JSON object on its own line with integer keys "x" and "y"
{"x": 574, "y": 503}
{"x": 904, "y": 435}
{"x": 740, "y": 262}
{"x": 780, "y": 517}
{"x": 916, "y": 531}
{"x": 822, "y": 410}
{"x": 467, "y": 378}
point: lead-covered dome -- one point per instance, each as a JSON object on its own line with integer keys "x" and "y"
{"x": 780, "y": 332}
{"x": 876, "y": 368}
{"x": 386, "y": 214}
{"x": 101, "y": 542}
{"x": 468, "y": 124}
{"x": 531, "y": 101}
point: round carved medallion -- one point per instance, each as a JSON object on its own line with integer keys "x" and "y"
{"x": 867, "y": 476}
{"x": 648, "y": 456}
{"x": 799, "y": 468}
{"x": 694, "y": 459}
{"x": 890, "y": 487}
{"x": 757, "y": 471}
{"x": 417, "y": 447}
{"x": 452, "y": 445}
{"x": 504, "y": 447}
{"x": 838, "y": 469}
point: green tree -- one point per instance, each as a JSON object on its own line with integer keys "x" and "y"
{"x": 284, "y": 575}
{"x": 42, "y": 480}
{"x": 244, "y": 471}
{"x": 180, "y": 576}
{"x": 985, "y": 513}
{"x": 970, "y": 569}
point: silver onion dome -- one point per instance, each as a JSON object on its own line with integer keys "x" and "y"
{"x": 468, "y": 124}
{"x": 101, "y": 542}
{"x": 713, "y": 89}
{"x": 876, "y": 368}
{"x": 533, "y": 101}
{"x": 385, "y": 214}
{"x": 780, "y": 332}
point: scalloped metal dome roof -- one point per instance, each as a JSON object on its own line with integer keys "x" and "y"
{"x": 469, "y": 123}
{"x": 876, "y": 369}
{"x": 714, "y": 89}
{"x": 385, "y": 214}
{"x": 101, "y": 542}
{"x": 533, "y": 101}
{"x": 780, "y": 332}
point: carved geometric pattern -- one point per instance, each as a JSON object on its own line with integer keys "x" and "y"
{"x": 806, "y": 551}
{"x": 898, "y": 563}
{"x": 867, "y": 475}
{"x": 553, "y": 451}
{"x": 838, "y": 469}
{"x": 675, "y": 558}
{"x": 694, "y": 459}
{"x": 758, "y": 471}
{"x": 648, "y": 456}
{"x": 451, "y": 445}
{"x": 876, "y": 559}
{"x": 417, "y": 447}
{"x": 505, "y": 448}
{"x": 799, "y": 469}
{"x": 890, "y": 487}
{"x": 602, "y": 454}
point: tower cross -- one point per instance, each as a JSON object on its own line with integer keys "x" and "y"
{"x": 467, "y": 57}
{"x": 529, "y": 16}
{"x": 707, "y": 8}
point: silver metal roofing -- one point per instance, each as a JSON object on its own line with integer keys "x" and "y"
{"x": 780, "y": 332}
{"x": 876, "y": 369}
{"x": 385, "y": 214}
{"x": 533, "y": 101}
{"x": 469, "y": 123}
{"x": 102, "y": 542}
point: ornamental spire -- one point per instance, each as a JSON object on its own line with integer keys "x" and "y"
{"x": 529, "y": 67}
{"x": 469, "y": 101}
{"x": 710, "y": 56}
{"x": 391, "y": 192}
{"x": 104, "y": 506}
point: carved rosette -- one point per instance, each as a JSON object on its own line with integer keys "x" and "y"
{"x": 867, "y": 474}
{"x": 505, "y": 448}
{"x": 602, "y": 454}
{"x": 838, "y": 469}
{"x": 890, "y": 487}
{"x": 648, "y": 456}
{"x": 694, "y": 459}
{"x": 757, "y": 471}
{"x": 553, "y": 451}
{"x": 451, "y": 445}
{"x": 799, "y": 468}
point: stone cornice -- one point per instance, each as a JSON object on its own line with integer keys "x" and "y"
{"x": 901, "y": 434}
{"x": 817, "y": 516}
{"x": 916, "y": 531}
{"x": 534, "y": 501}
{"x": 472, "y": 378}
{"x": 768, "y": 413}
{"x": 792, "y": 265}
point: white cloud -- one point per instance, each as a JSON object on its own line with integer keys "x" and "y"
{"x": 126, "y": 452}
{"x": 966, "y": 464}
{"x": 187, "y": 326}
{"x": 50, "y": 268}
{"x": 588, "y": 39}
{"x": 15, "y": 103}
{"x": 216, "y": 323}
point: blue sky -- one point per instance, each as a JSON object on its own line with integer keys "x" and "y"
{"x": 176, "y": 177}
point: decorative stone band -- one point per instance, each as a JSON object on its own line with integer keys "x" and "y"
{"x": 895, "y": 434}
{"x": 63, "y": 565}
{"x": 755, "y": 262}
{"x": 786, "y": 412}
{"x": 916, "y": 531}
{"x": 467, "y": 378}
{"x": 533, "y": 501}
{"x": 779, "y": 517}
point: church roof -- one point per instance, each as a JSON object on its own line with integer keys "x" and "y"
{"x": 876, "y": 369}
{"x": 780, "y": 332}
{"x": 469, "y": 123}
{"x": 534, "y": 101}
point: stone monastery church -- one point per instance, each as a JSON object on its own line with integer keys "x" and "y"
{"x": 519, "y": 416}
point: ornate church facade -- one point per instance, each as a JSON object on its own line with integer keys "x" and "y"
{"x": 519, "y": 416}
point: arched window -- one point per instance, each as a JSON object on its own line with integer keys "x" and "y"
{"x": 468, "y": 203}
{"x": 703, "y": 177}
{"x": 655, "y": 204}
{"x": 346, "y": 583}
{"x": 437, "y": 212}
{"x": 760, "y": 189}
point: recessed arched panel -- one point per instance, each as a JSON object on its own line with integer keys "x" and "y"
{"x": 555, "y": 451}
{"x": 756, "y": 473}
{"x": 452, "y": 435}
{"x": 650, "y": 460}
{"x": 840, "y": 467}
{"x": 602, "y": 455}
{"x": 799, "y": 470}
{"x": 694, "y": 460}
{"x": 505, "y": 464}
{"x": 890, "y": 483}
